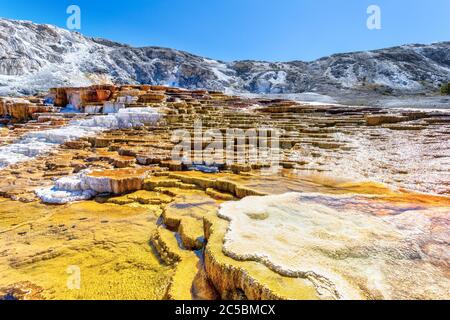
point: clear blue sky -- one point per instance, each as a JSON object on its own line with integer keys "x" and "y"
{"x": 248, "y": 29}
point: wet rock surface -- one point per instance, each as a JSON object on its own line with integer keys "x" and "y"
{"x": 153, "y": 226}
{"x": 348, "y": 247}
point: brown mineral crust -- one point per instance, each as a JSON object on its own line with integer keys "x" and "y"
{"x": 81, "y": 96}
{"x": 152, "y": 97}
{"x": 119, "y": 181}
{"x": 21, "y": 109}
{"x": 22, "y": 291}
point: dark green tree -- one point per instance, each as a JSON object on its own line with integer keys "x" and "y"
{"x": 445, "y": 89}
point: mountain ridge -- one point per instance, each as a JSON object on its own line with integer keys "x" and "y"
{"x": 34, "y": 57}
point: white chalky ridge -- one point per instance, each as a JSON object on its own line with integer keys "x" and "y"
{"x": 79, "y": 187}
{"x": 37, "y": 143}
{"x": 67, "y": 189}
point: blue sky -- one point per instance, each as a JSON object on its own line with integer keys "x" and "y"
{"x": 271, "y": 30}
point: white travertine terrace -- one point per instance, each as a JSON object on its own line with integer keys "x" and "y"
{"x": 86, "y": 184}
{"x": 343, "y": 244}
{"x": 67, "y": 189}
{"x": 41, "y": 142}
{"x": 408, "y": 159}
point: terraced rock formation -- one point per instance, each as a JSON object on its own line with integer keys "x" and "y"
{"x": 347, "y": 246}
{"x": 151, "y": 209}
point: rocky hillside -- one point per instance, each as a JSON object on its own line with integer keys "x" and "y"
{"x": 34, "y": 57}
